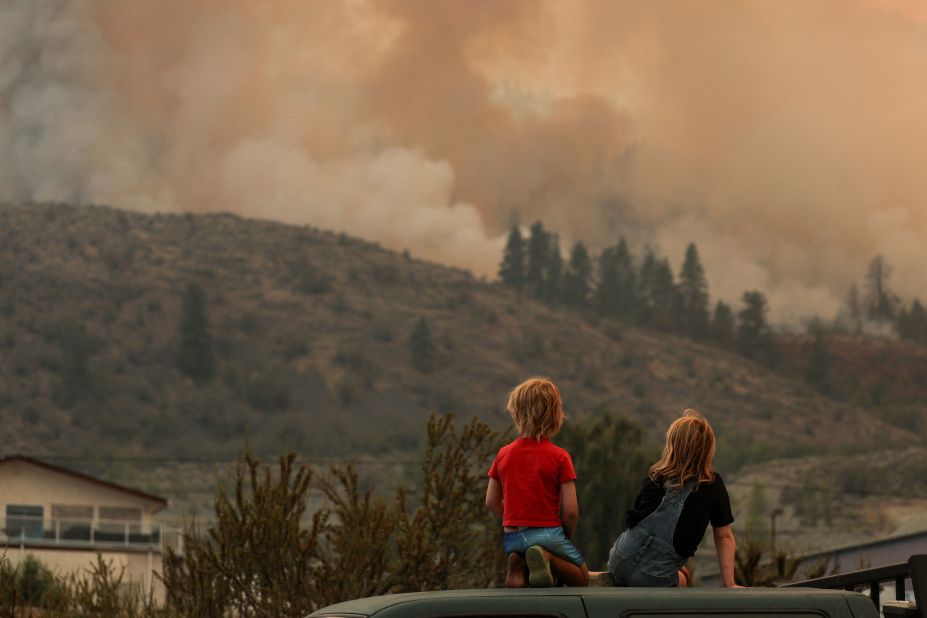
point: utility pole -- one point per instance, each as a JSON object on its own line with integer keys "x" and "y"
{"x": 780, "y": 564}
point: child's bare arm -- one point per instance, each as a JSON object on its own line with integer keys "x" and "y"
{"x": 569, "y": 508}
{"x": 725, "y": 546}
{"x": 494, "y": 497}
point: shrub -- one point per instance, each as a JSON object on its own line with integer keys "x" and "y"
{"x": 296, "y": 347}
{"x": 387, "y": 273}
{"x": 265, "y": 556}
{"x": 249, "y": 323}
{"x": 382, "y": 331}
{"x": 267, "y": 390}
{"x": 77, "y": 382}
{"x": 34, "y": 581}
{"x": 310, "y": 280}
{"x": 256, "y": 560}
{"x": 346, "y": 391}
{"x": 100, "y": 591}
{"x": 529, "y": 347}
{"x": 350, "y": 358}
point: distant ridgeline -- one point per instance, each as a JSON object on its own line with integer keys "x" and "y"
{"x": 644, "y": 292}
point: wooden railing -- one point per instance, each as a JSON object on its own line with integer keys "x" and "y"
{"x": 914, "y": 569}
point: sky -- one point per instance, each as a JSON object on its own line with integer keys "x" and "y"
{"x": 787, "y": 139}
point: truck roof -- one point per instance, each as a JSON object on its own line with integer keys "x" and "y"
{"x": 717, "y": 598}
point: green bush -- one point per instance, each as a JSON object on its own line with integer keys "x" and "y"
{"x": 34, "y": 581}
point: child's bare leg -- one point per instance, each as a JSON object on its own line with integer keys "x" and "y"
{"x": 515, "y": 576}
{"x": 566, "y": 572}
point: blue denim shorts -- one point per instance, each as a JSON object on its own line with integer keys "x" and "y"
{"x": 553, "y": 540}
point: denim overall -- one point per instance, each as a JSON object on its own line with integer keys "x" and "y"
{"x": 644, "y": 555}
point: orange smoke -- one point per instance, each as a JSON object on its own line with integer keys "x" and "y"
{"x": 786, "y": 139}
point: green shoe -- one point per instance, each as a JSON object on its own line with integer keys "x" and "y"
{"x": 539, "y": 575}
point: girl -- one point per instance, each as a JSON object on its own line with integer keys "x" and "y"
{"x": 679, "y": 498}
{"x": 532, "y": 489}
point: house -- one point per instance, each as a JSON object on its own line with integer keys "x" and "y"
{"x": 65, "y": 518}
{"x": 880, "y": 552}
{"x": 844, "y": 559}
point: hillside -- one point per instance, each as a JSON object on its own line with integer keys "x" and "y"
{"x": 311, "y": 337}
{"x": 884, "y": 375}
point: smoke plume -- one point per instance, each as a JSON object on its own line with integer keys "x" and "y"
{"x": 786, "y": 139}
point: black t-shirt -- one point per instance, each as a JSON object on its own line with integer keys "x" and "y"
{"x": 708, "y": 503}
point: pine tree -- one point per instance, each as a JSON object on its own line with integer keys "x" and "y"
{"x": 606, "y": 291}
{"x": 538, "y": 254}
{"x": 881, "y": 304}
{"x": 578, "y": 277}
{"x": 421, "y": 346}
{"x": 903, "y": 324}
{"x": 194, "y": 353}
{"x": 616, "y": 293}
{"x": 851, "y": 318}
{"x": 78, "y": 382}
{"x": 659, "y": 296}
{"x": 917, "y": 319}
{"x": 612, "y": 450}
{"x": 853, "y": 303}
{"x": 754, "y": 338}
{"x": 693, "y": 293}
{"x": 628, "y": 298}
{"x": 553, "y": 273}
{"x": 912, "y": 324}
{"x": 722, "y": 325}
{"x": 666, "y": 295}
{"x": 645, "y": 280}
{"x": 512, "y": 268}
{"x": 817, "y": 372}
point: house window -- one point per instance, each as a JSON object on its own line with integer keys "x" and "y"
{"x": 24, "y": 521}
{"x": 119, "y": 523}
{"x": 72, "y": 521}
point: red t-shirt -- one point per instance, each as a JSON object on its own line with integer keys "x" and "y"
{"x": 531, "y": 473}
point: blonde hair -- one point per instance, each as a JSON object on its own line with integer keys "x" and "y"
{"x": 687, "y": 454}
{"x": 536, "y": 408}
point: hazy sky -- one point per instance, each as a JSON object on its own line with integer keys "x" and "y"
{"x": 787, "y": 138}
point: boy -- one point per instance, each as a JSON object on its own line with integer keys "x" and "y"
{"x": 532, "y": 489}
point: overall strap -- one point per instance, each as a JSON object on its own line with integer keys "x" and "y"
{"x": 662, "y": 522}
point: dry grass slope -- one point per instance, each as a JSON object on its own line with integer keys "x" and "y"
{"x": 311, "y": 335}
